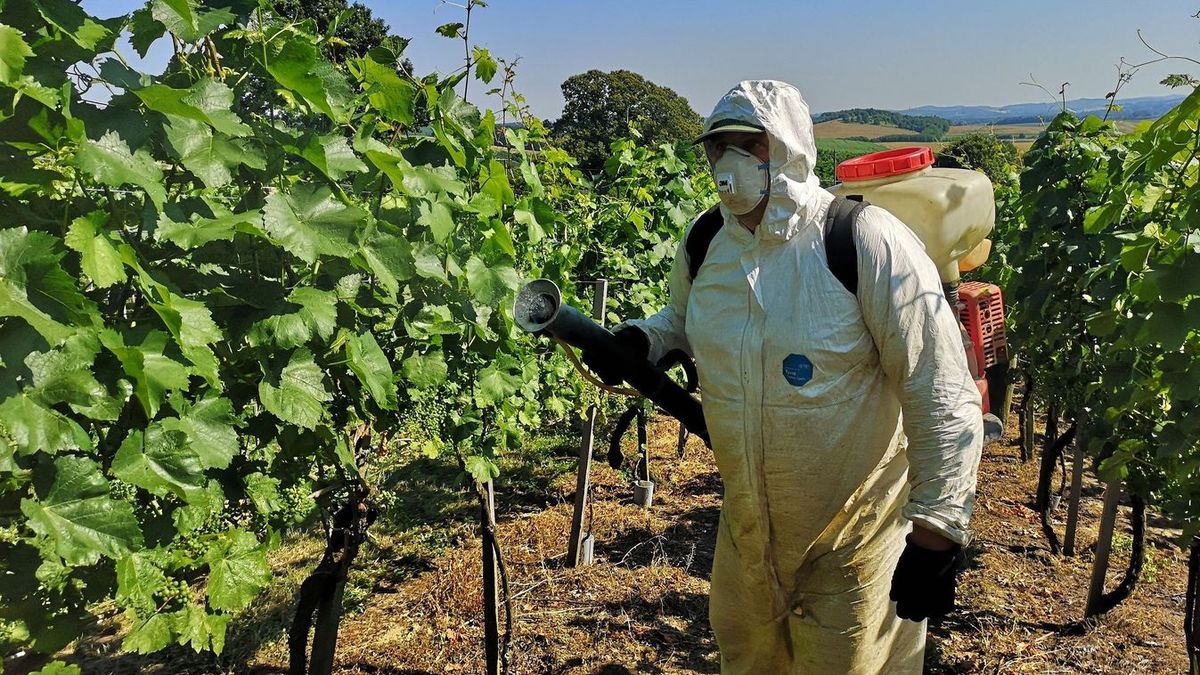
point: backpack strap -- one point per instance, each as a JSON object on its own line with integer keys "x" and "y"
{"x": 700, "y": 237}
{"x": 840, "y": 250}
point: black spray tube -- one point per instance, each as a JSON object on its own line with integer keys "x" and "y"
{"x": 539, "y": 310}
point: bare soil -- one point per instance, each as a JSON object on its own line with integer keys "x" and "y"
{"x": 642, "y": 606}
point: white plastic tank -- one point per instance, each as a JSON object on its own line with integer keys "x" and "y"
{"x": 951, "y": 210}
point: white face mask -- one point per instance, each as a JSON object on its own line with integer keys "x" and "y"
{"x": 742, "y": 180}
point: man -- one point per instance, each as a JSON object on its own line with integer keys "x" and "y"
{"x": 804, "y": 384}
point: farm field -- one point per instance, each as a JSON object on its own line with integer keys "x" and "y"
{"x": 1029, "y": 132}
{"x": 642, "y": 607}
{"x": 840, "y": 129}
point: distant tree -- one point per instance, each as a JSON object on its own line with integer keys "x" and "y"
{"x": 996, "y": 158}
{"x": 928, "y": 127}
{"x": 601, "y": 107}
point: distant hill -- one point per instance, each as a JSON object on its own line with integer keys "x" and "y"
{"x": 1146, "y": 107}
{"x": 929, "y": 126}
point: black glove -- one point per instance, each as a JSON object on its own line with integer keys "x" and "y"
{"x": 925, "y": 581}
{"x": 629, "y": 343}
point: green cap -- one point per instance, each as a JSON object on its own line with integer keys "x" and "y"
{"x": 728, "y": 125}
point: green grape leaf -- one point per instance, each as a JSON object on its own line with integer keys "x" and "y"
{"x": 436, "y": 216}
{"x": 238, "y": 570}
{"x": 308, "y": 313}
{"x": 332, "y": 155}
{"x": 481, "y": 468}
{"x": 87, "y": 32}
{"x": 501, "y": 237}
{"x": 493, "y": 181}
{"x": 138, "y": 580}
{"x": 109, "y": 161}
{"x": 209, "y": 101}
{"x": 193, "y": 328}
{"x": 449, "y": 30}
{"x": 212, "y": 157}
{"x": 79, "y": 518}
{"x": 1098, "y": 218}
{"x": 263, "y": 491}
{"x": 208, "y": 426}
{"x": 149, "y": 636}
{"x": 31, "y": 427}
{"x": 485, "y": 65}
{"x": 299, "y": 397}
{"x": 310, "y": 222}
{"x": 526, "y": 218}
{"x": 63, "y": 374}
{"x": 371, "y": 366}
{"x": 217, "y": 624}
{"x": 386, "y": 92}
{"x": 490, "y": 285}
{"x": 389, "y": 257}
{"x": 424, "y": 181}
{"x": 160, "y": 462}
{"x": 1133, "y": 256}
{"x": 200, "y": 230}
{"x": 192, "y": 628}
{"x": 426, "y": 371}
{"x": 1179, "y": 280}
{"x": 296, "y": 65}
{"x": 34, "y": 286}
{"x": 200, "y": 510}
{"x": 414, "y": 181}
{"x": 1166, "y": 326}
{"x": 8, "y": 461}
{"x": 101, "y": 262}
{"x": 428, "y": 263}
{"x": 432, "y": 320}
{"x": 13, "y": 52}
{"x": 494, "y": 386}
{"x": 154, "y": 372}
{"x": 186, "y": 21}
{"x": 144, "y": 30}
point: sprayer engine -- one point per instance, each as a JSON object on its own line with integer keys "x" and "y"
{"x": 981, "y": 311}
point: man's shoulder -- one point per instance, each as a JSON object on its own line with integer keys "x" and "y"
{"x": 880, "y": 233}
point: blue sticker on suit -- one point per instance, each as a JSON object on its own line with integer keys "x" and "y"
{"x": 797, "y": 369}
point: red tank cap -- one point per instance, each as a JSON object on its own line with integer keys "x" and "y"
{"x": 885, "y": 164}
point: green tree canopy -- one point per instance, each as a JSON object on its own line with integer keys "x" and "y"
{"x": 993, "y": 156}
{"x": 600, "y": 108}
{"x": 352, "y": 31}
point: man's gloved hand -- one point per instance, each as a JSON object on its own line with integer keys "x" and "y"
{"x": 925, "y": 581}
{"x": 629, "y": 344}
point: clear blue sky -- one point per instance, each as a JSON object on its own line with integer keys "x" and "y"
{"x": 868, "y": 53}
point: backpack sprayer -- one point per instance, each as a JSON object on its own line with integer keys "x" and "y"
{"x": 951, "y": 211}
{"x": 539, "y": 309}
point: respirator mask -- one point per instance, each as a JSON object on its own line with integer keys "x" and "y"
{"x": 742, "y": 180}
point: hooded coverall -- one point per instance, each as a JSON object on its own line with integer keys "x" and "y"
{"x": 803, "y": 387}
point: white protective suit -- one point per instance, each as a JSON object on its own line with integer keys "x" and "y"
{"x": 803, "y": 386}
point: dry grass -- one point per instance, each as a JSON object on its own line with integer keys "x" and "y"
{"x": 840, "y": 129}
{"x": 1031, "y": 130}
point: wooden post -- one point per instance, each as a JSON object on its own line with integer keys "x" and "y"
{"x": 1108, "y": 520}
{"x": 584, "y": 470}
{"x": 1027, "y": 424}
{"x": 1076, "y": 485}
{"x": 491, "y": 595}
{"x": 1191, "y": 608}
